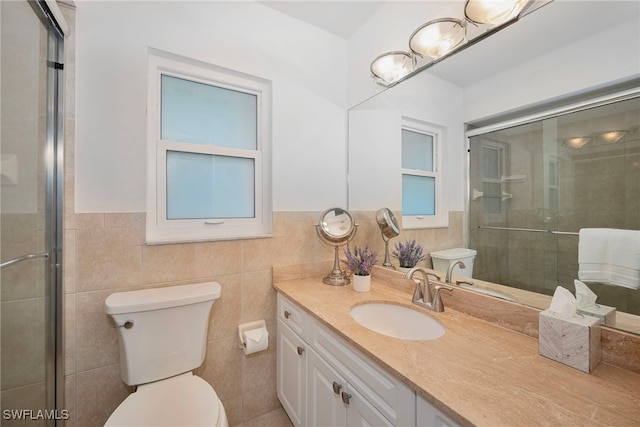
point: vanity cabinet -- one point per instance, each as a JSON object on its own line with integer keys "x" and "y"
{"x": 335, "y": 402}
{"x": 292, "y": 360}
{"x": 428, "y": 415}
{"x": 291, "y": 375}
{"x": 322, "y": 380}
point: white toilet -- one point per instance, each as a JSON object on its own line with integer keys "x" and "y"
{"x": 163, "y": 337}
{"x": 443, "y": 259}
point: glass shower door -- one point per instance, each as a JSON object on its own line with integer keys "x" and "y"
{"x": 534, "y": 186}
{"x": 30, "y": 307}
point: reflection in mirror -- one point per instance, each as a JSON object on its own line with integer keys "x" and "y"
{"x": 336, "y": 228}
{"x": 538, "y": 204}
{"x": 389, "y": 229}
{"x": 435, "y": 95}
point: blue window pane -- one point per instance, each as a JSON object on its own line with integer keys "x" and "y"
{"x": 198, "y": 113}
{"x": 417, "y": 151}
{"x": 201, "y": 186}
{"x": 418, "y": 195}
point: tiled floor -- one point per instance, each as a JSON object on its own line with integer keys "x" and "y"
{"x": 276, "y": 418}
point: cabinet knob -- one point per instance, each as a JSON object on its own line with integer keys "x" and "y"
{"x": 337, "y": 387}
{"x": 300, "y": 351}
{"x": 287, "y": 314}
{"x": 346, "y": 397}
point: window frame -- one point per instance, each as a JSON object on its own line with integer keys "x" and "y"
{"x": 159, "y": 229}
{"x": 441, "y": 217}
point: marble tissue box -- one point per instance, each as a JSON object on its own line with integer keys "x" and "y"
{"x": 574, "y": 342}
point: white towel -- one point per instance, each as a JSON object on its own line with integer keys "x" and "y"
{"x": 594, "y": 255}
{"x": 609, "y": 256}
{"x": 625, "y": 258}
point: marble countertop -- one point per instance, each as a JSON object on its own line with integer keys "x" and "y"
{"x": 478, "y": 373}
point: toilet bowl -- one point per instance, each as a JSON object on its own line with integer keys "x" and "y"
{"x": 163, "y": 334}
{"x": 185, "y": 400}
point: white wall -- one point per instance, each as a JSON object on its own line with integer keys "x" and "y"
{"x": 306, "y": 66}
{"x": 389, "y": 30}
{"x": 604, "y": 58}
{"x": 375, "y": 144}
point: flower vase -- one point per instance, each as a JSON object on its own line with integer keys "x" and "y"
{"x": 361, "y": 283}
{"x": 404, "y": 269}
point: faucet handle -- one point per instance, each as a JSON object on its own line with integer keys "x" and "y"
{"x": 438, "y": 278}
{"x": 437, "y": 301}
{"x": 468, "y": 282}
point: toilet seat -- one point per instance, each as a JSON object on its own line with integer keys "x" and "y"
{"x": 183, "y": 400}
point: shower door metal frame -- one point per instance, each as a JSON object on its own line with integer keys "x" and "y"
{"x": 54, "y": 210}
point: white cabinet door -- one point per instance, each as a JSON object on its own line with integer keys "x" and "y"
{"x": 428, "y": 416}
{"x": 361, "y": 413}
{"x": 325, "y": 388}
{"x": 292, "y": 367}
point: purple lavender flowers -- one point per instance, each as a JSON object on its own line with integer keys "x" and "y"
{"x": 409, "y": 254}
{"x": 361, "y": 260}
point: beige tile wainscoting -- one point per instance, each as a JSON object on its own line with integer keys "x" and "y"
{"x": 106, "y": 252}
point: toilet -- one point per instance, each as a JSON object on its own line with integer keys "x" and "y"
{"x": 443, "y": 259}
{"x": 163, "y": 337}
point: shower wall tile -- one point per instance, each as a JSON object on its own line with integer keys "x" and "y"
{"x": 27, "y": 397}
{"x": 22, "y": 344}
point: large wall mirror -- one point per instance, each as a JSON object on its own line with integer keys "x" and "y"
{"x": 551, "y": 185}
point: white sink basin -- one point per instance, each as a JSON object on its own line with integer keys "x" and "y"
{"x": 397, "y": 321}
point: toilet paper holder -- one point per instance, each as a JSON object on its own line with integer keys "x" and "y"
{"x": 258, "y": 324}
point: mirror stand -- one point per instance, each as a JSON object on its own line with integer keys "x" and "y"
{"x": 337, "y": 276}
{"x": 389, "y": 229}
{"x": 387, "y": 261}
{"x": 336, "y": 228}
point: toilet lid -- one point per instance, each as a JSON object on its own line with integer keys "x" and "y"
{"x": 184, "y": 400}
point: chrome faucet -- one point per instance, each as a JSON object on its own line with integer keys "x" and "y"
{"x": 450, "y": 270}
{"x": 422, "y": 293}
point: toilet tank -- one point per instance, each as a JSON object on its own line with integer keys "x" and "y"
{"x": 167, "y": 333}
{"x": 443, "y": 259}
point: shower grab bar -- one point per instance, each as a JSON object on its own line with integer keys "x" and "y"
{"x": 531, "y": 230}
{"x": 23, "y": 258}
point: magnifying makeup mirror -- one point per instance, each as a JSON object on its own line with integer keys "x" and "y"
{"x": 336, "y": 228}
{"x": 389, "y": 229}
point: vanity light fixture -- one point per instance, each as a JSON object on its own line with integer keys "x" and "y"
{"x": 438, "y": 37}
{"x": 492, "y": 12}
{"x": 577, "y": 141}
{"x": 392, "y": 66}
{"x": 611, "y": 136}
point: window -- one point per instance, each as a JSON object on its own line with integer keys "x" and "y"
{"x": 423, "y": 205}
{"x": 209, "y": 153}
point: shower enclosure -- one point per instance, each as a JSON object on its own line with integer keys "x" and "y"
{"x": 30, "y": 215}
{"x": 535, "y": 185}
